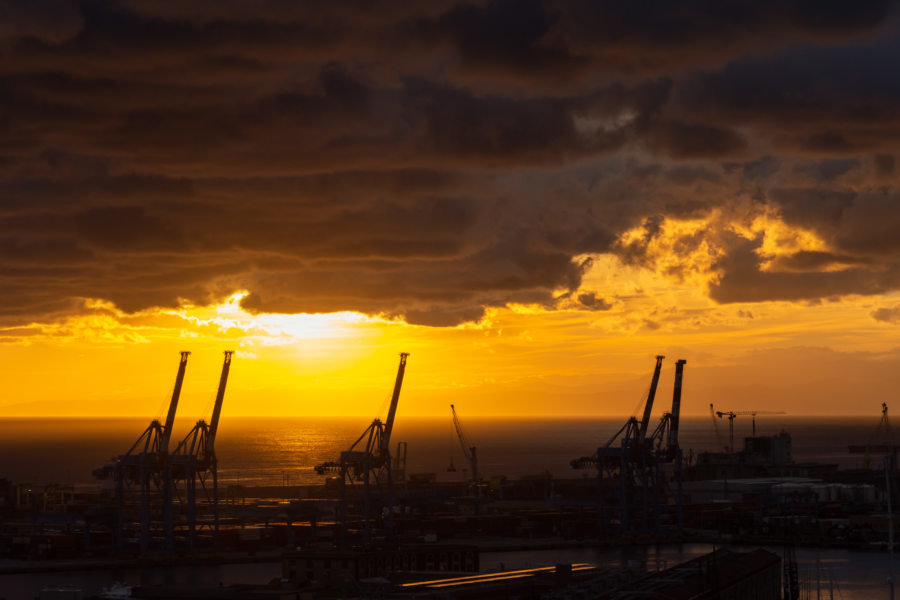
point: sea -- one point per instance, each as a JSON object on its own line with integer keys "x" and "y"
{"x": 283, "y": 452}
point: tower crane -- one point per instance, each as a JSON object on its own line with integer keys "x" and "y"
{"x": 733, "y": 414}
{"x": 469, "y": 452}
{"x": 373, "y": 461}
{"x": 715, "y": 422}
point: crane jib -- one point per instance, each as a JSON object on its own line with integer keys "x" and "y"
{"x": 395, "y": 397}
{"x": 173, "y": 404}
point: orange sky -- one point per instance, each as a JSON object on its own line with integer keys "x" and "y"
{"x": 816, "y": 358}
{"x": 532, "y": 198}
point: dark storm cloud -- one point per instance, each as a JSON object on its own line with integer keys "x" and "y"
{"x": 823, "y": 99}
{"x": 884, "y": 165}
{"x": 743, "y": 280}
{"x": 692, "y": 140}
{"x": 428, "y": 160}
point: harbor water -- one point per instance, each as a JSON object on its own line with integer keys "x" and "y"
{"x": 283, "y": 451}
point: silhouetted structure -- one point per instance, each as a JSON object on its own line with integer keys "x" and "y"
{"x": 143, "y": 473}
{"x": 370, "y": 464}
{"x": 733, "y": 414}
{"x": 469, "y": 452}
{"x": 881, "y": 442}
{"x": 635, "y": 471}
{"x": 194, "y": 468}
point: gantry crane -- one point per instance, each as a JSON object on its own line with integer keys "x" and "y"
{"x": 145, "y": 466}
{"x": 194, "y": 462}
{"x": 371, "y": 462}
{"x": 633, "y": 485}
{"x": 733, "y": 414}
{"x": 469, "y": 452}
{"x": 633, "y": 429}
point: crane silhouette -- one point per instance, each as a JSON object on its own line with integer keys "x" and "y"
{"x": 733, "y": 414}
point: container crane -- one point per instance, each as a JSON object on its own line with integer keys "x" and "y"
{"x": 469, "y": 452}
{"x": 372, "y": 461}
{"x": 633, "y": 479}
{"x": 194, "y": 460}
{"x": 633, "y": 429}
{"x": 733, "y": 414}
{"x": 145, "y": 463}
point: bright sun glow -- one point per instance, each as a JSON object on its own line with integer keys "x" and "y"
{"x": 275, "y": 329}
{"x": 518, "y": 360}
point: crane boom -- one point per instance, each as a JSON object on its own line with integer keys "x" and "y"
{"x": 676, "y": 405}
{"x": 470, "y": 452}
{"x": 173, "y": 404}
{"x": 389, "y": 424}
{"x": 220, "y": 396}
{"x": 645, "y": 420}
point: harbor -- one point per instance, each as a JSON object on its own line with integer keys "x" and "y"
{"x": 457, "y": 299}
{"x": 637, "y": 498}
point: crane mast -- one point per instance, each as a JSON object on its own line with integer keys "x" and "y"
{"x": 469, "y": 452}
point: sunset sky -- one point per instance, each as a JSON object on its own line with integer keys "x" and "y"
{"x": 531, "y": 198}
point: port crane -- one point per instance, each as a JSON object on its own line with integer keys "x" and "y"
{"x": 733, "y": 414}
{"x": 880, "y": 442}
{"x": 369, "y": 459}
{"x": 715, "y": 422}
{"x": 633, "y": 485}
{"x": 194, "y": 462}
{"x": 469, "y": 452}
{"x": 144, "y": 466}
{"x": 633, "y": 429}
